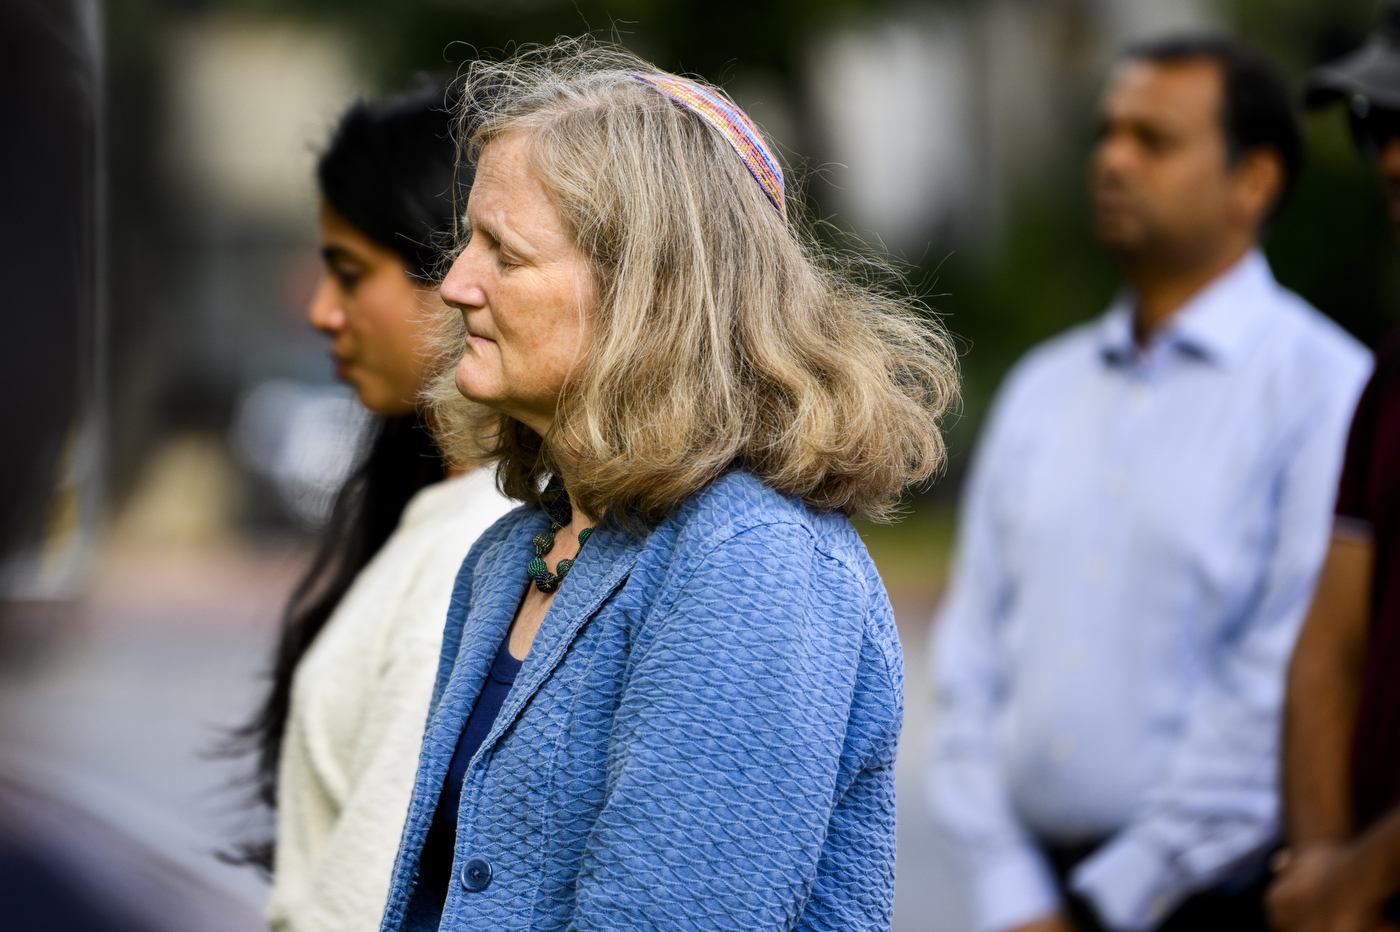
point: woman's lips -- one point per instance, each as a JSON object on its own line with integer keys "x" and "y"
{"x": 478, "y": 341}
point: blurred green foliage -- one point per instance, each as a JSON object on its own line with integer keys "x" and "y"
{"x": 1302, "y": 33}
{"x": 912, "y": 555}
{"x": 1331, "y": 243}
{"x": 1046, "y": 275}
{"x": 701, "y": 36}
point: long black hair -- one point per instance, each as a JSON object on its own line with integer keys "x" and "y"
{"x": 391, "y": 170}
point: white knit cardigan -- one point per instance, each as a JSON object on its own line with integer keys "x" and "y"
{"x": 359, "y": 704}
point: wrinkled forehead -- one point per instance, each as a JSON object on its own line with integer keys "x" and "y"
{"x": 506, "y": 184}
{"x": 505, "y": 154}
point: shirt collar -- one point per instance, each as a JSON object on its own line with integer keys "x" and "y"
{"x": 1219, "y": 323}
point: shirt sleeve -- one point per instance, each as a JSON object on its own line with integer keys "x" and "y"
{"x": 1217, "y": 805}
{"x": 725, "y": 783}
{"x": 1006, "y": 876}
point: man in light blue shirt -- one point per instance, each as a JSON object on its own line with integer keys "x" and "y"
{"x": 1141, "y": 530}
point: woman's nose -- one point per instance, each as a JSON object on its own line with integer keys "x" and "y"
{"x": 325, "y": 313}
{"x": 460, "y": 289}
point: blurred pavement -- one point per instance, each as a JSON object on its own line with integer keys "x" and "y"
{"x": 108, "y": 732}
{"x": 926, "y": 894}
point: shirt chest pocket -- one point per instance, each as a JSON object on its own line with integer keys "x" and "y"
{"x": 1212, "y": 539}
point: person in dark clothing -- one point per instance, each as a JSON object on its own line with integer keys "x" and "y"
{"x": 1341, "y": 766}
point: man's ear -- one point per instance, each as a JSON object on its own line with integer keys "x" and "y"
{"x": 1257, "y": 181}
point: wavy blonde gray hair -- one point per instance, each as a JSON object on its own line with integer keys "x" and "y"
{"x": 723, "y": 337}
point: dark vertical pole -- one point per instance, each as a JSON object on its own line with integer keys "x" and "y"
{"x": 52, "y": 337}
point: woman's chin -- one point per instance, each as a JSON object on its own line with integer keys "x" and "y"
{"x": 383, "y": 402}
{"x": 473, "y": 390}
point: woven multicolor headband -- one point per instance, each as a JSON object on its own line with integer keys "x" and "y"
{"x": 735, "y": 127}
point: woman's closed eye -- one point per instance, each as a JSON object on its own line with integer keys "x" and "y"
{"x": 502, "y": 257}
{"x": 347, "y": 279}
{"x": 500, "y": 254}
{"x": 342, "y": 265}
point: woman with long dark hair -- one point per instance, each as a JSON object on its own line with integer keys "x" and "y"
{"x": 338, "y": 735}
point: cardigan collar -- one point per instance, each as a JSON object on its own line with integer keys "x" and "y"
{"x": 601, "y": 566}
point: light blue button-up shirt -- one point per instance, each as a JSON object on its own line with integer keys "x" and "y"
{"x": 1140, "y": 535}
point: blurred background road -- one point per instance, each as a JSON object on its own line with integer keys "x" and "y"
{"x": 113, "y": 730}
{"x": 190, "y": 453}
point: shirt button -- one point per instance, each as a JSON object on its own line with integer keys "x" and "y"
{"x": 1098, "y": 568}
{"x": 1140, "y": 396}
{"x": 1076, "y": 657}
{"x": 1116, "y": 483}
{"x": 476, "y": 876}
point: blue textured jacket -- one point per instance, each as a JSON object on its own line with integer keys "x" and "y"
{"x": 703, "y": 735}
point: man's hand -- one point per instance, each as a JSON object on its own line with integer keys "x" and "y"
{"x": 1055, "y": 922}
{"x": 1319, "y": 889}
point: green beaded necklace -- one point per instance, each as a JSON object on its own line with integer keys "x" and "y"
{"x": 544, "y": 580}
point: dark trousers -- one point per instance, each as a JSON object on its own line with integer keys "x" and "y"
{"x": 1228, "y": 908}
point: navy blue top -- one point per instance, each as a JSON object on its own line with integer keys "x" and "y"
{"x": 435, "y": 869}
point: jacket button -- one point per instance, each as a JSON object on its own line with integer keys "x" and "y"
{"x": 476, "y": 876}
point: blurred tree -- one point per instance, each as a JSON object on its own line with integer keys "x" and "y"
{"x": 1331, "y": 243}
{"x": 1302, "y": 33}
{"x": 700, "y": 36}
{"x": 1047, "y": 275}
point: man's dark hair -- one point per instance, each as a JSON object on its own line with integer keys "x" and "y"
{"x": 1257, "y": 107}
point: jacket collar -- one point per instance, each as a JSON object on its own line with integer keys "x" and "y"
{"x": 599, "y": 569}
{"x": 1220, "y": 323}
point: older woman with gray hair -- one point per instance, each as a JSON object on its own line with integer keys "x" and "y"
{"x": 670, "y": 689}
